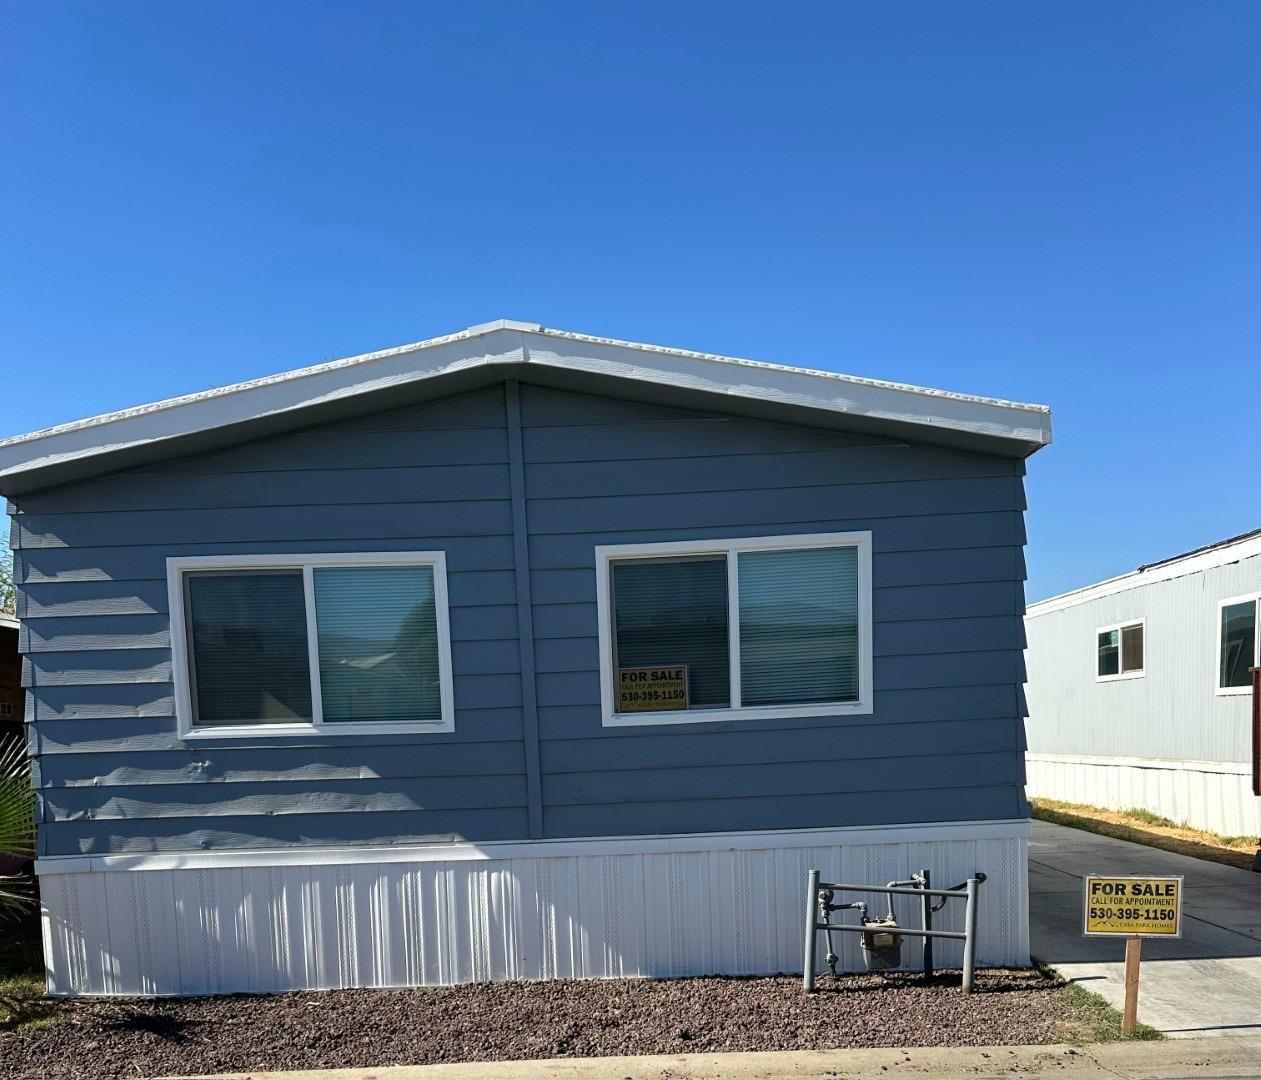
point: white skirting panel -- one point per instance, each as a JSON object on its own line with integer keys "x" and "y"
{"x": 1213, "y": 795}
{"x": 208, "y": 923}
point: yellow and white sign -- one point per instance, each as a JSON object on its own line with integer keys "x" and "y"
{"x": 1133, "y": 906}
{"x": 652, "y": 689}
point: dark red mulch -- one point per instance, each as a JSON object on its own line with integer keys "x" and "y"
{"x": 503, "y": 1021}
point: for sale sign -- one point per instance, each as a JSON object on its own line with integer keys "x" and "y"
{"x": 650, "y": 689}
{"x": 1133, "y": 906}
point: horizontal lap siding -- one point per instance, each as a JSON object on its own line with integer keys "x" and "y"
{"x": 113, "y": 774}
{"x": 945, "y": 740}
{"x": 943, "y": 743}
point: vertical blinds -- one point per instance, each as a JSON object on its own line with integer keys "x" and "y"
{"x": 378, "y": 644}
{"x": 798, "y": 626}
{"x": 674, "y": 611}
{"x": 249, "y": 643}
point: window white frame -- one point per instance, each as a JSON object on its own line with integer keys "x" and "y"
{"x": 178, "y": 567}
{"x": 607, "y": 554}
{"x": 1119, "y": 627}
{"x": 1232, "y": 691}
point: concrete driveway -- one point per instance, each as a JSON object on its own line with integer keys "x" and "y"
{"x": 1206, "y": 983}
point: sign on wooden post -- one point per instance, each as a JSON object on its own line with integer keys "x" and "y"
{"x": 1133, "y": 908}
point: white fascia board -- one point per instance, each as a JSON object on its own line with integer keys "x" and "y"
{"x": 822, "y": 390}
{"x": 258, "y": 398}
{"x": 509, "y": 342}
{"x": 1166, "y": 571}
{"x": 468, "y": 851}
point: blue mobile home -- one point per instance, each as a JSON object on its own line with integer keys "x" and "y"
{"x": 515, "y": 654}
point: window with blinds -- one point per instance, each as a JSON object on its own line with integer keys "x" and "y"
{"x": 672, "y": 613}
{"x": 798, "y": 626}
{"x": 736, "y": 628}
{"x": 250, "y": 656}
{"x": 323, "y": 642}
{"x": 378, "y": 644}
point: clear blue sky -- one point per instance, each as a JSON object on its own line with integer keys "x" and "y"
{"x": 1054, "y": 202}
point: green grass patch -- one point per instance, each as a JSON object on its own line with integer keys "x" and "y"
{"x": 1102, "y": 1021}
{"x": 1139, "y": 813}
{"x": 1091, "y": 1018}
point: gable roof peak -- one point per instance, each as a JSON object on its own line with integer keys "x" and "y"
{"x": 492, "y": 351}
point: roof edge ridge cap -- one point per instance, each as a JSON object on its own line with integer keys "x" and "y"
{"x": 863, "y": 380}
{"x": 277, "y": 378}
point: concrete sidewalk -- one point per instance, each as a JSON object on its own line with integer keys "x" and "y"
{"x": 1184, "y": 1059}
{"x": 1206, "y": 983}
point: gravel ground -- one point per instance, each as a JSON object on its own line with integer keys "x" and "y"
{"x": 502, "y": 1021}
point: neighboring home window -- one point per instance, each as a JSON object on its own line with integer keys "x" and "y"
{"x": 1237, "y": 643}
{"x": 735, "y": 629}
{"x": 330, "y": 643}
{"x": 1119, "y": 651}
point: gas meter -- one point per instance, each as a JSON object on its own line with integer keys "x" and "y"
{"x": 881, "y": 944}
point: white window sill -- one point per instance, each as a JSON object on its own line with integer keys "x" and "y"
{"x": 765, "y": 712}
{"x": 274, "y": 731}
{"x": 1233, "y": 691}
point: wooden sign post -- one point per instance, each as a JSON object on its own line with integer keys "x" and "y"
{"x": 1133, "y": 954}
{"x": 1133, "y": 908}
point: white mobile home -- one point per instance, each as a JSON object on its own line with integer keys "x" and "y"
{"x": 1139, "y": 689}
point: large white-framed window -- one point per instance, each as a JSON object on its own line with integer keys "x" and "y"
{"x": 1119, "y": 651}
{"x": 336, "y": 644}
{"x": 1238, "y": 643}
{"x": 759, "y": 628}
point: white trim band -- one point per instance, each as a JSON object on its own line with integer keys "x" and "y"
{"x": 462, "y": 851}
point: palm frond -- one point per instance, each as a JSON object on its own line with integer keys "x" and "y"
{"x": 17, "y": 800}
{"x": 13, "y": 901}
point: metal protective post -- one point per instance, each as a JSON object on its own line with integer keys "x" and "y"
{"x": 969, "y": 937}
{"x": 812, "y": 917}
{"x": 926, "y": 923}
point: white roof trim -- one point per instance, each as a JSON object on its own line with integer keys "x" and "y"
{"x": 9, "y": 622}
{"x": 509, "y": 342}
{"x": 1191, "y": 563}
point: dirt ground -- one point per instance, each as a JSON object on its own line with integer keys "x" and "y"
{"x": 503, "y": 1021}
{"x": 1141, "y": 827}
